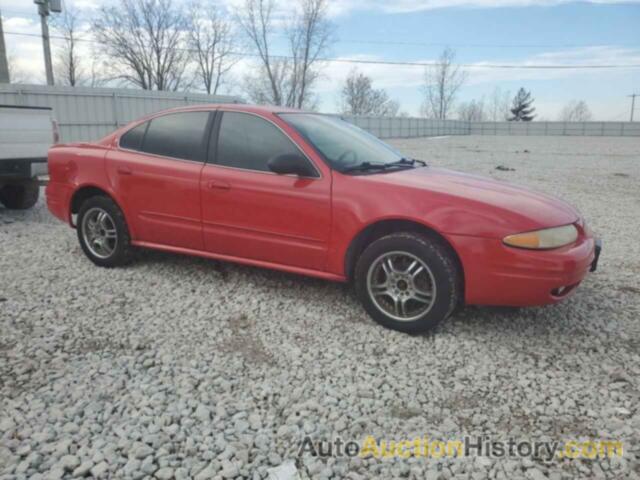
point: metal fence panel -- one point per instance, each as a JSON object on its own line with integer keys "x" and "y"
{"x": 89, "y": 113}
{"x": 555, "y": 128}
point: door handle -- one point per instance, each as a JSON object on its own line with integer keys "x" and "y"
{"x": 218, "y": 185}
{"x": 124, "y": 171}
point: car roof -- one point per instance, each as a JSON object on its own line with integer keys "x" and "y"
{"x": 239, "y": 107}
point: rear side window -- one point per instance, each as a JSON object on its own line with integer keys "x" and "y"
{"x": 178, "y": 135}
{"x": 248, "y": 142}
{"x": 133, "y": 138}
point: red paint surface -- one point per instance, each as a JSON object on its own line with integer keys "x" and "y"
{"x": 307, "y": 225}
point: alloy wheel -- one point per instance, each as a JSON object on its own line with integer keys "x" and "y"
{"x": 401, "y": 286}
{"x": 99, "y": 232}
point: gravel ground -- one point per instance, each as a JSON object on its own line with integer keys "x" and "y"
{"x": 188, "y": 368}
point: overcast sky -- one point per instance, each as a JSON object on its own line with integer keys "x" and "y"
{"x": 520, "y": 32}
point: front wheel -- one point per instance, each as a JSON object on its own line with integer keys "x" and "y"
{"x": 103, "y": 233}
{"x": 408, "y": 282}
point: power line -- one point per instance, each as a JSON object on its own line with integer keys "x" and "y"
{"x": 392, "y": 62}
{"x": 633, "y": 104}
{"x": 444, "y": 44}
{"x": 484, "y": 45}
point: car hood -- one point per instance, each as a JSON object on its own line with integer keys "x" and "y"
{"x": 504, "y": 204}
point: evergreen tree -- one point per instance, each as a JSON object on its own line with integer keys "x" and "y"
{"x": 522, "y": 110}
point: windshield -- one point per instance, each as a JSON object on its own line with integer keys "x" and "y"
{"x": 342, "y": 144}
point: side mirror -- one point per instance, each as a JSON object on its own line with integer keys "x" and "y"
{"x": 291, "y": 164}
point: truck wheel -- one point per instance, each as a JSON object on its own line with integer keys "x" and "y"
{"x": 103, "y": 232}
{"x": 20, "y": 196}
{"x": 408, "y": 282}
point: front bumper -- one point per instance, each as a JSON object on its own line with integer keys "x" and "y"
{"x": 496, "y": 274}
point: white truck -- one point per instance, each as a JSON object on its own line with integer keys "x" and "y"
{"x": 26, "y": 133}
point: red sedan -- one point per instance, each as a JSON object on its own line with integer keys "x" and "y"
{"x": 313, "y": 195}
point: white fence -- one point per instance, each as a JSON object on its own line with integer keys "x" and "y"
{"x": 405, "y": 127}
{"x": 399, "y": 127}
{"x": 90, "y": 113}
{"x": 598, "y": 129}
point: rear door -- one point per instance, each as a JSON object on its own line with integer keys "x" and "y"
{"x": 156, "y": 171}
{"x": 250, "y": 212}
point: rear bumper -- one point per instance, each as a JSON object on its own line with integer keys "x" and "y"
{"x": 23, "y": 168}
{"x": 58, "y": 200}
{"x": 496, "y": 274}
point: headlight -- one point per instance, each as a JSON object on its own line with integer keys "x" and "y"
{"x": 544, "y": 239}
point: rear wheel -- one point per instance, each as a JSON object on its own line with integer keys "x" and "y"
{"x": 408, "y": 282}
{"x": 20, "y": 196}
{"x": 103, "y": 232}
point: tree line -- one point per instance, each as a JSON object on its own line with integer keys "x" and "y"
{"x": 160, "y": 45}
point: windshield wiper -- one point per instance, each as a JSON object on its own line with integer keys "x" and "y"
{"x": 367, "y": 166}
{"x": 409, "y": 161}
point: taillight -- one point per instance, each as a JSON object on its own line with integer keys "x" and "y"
{"x": 56, "y": 132}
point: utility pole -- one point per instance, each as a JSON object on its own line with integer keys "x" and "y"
{"x": 4, "y": 64}
{"x": 633, "y": 104}
{"x": 44, "y": 8}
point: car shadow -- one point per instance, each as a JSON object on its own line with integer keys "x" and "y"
{"x": 536, "y": 323}
{"x": 227, "y": 270}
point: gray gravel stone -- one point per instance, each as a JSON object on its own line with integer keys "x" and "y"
{"x": 165, "y": 473}
{"x": 142, "y": 451}
{"x": 100, "y": 470}
{"x": 178, "y": 367}
{"x": 83, "y": 469}
{"x": 69, "y": 462}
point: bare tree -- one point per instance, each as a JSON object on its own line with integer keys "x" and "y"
{"x": 68, "y": 64}
{"x": 443, "y": 80}
{"x": 360, "y": 98}
{"x": 472, "y": 111}
{"x": 146, "y": 42}
{"x": 257, "y": 23}
{"x": 211, "y": 40}
{"x": 499, "y": 108}
{"x": 576, "y": 111}
{"x": 96, "y": 76}
{"x": 309, "y": 37}
{"x": 286, "y": 80}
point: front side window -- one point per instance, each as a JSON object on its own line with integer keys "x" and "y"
{"x": 342, "y": 144}
{"x": 249, "y": 142}
{"x": 178, "y": 135}
{"x": 132, "y": 140}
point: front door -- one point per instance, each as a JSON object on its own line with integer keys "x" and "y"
{"x": 156, "y": 169}
{"x": 250, "y": 212}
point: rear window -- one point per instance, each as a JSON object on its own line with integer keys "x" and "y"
{"x": 178, "y": 135}
{"x": 133, "y": 138}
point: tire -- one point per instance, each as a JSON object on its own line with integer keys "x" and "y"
{"x": 20, "y": 196}
{"x": 103, "y": 233}
{"x": 418, "y": 289}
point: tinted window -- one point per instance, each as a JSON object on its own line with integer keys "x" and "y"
{"x": 133, "y": 138}
{"x": 247, "y": 141}
{"x": 177, "y": 135}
